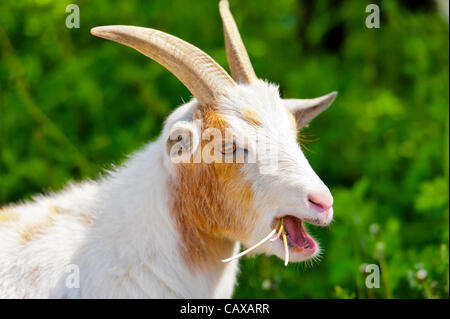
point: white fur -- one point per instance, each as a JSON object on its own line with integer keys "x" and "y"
{"x": 131, "y": 250}
{"x": 282, "y": 188}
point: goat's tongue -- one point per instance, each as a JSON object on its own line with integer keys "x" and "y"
{"x": 296, "y": 234}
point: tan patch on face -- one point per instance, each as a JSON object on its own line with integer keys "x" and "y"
{"x": 212, "y": 206}
{"x": 252, "y": 117}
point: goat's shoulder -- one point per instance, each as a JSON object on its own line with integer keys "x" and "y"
{"x": 38, "y": 238}
{"x": 74, "y": 201}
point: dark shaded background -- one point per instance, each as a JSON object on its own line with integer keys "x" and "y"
{"x": 72, "y": 104}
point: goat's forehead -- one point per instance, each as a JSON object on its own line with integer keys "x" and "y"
{"x": 249, "y": 109}
{"x": 249, "y": 121}
{"x": 254, "y": 107}
{"x": 255, "y": 96}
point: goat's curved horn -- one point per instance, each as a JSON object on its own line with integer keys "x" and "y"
{"x": 194, "y": 68}
{"x": 237, "y": 56}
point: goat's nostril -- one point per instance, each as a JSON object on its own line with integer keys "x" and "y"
{"x": 320, "y": 202}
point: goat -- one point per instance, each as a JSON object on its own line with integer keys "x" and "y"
{"x": 160, "y": 228}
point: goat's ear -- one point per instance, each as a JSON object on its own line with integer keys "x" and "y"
{"x": 183, "y": 141}
{"x": 304, "y": 110}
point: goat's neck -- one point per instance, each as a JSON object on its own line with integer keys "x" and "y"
{"x": 139, "y": 231}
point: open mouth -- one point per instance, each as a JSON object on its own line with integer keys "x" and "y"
{"x": 297, "y": 238}
{"x": 291, "y": 231}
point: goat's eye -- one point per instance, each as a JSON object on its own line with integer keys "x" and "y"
{"x": 229, "y": 148}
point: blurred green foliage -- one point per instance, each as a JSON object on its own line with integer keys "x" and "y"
{"x": 72, "y": 104}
